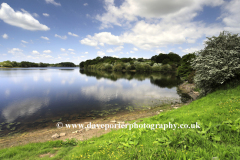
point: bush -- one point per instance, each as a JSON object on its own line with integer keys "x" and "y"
{"x": 108, "y": 67}
{"x": 7, "y": 65}
{"x": 218, "y": 62}
{"x": 147, "y": 67}
{"x": 139, "y": 67}
{"x": 166, "y": 68}
{"x": 117, "y": 67}
{"x": 130, "y": 67}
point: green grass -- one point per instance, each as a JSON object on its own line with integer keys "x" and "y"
{"x": 218, "y": 115}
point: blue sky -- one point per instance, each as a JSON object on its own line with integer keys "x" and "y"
{"x": 56, "y": 31}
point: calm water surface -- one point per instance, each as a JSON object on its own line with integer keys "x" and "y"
{"x": 35, "y": 96}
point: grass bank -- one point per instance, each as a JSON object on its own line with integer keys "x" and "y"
{"x": 218, "y": 115}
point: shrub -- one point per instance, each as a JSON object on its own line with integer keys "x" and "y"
{"x": 147, "y": 67}
{"x": 7, "y": 65}
{"x": 117, "y": 67}
{"x": 139, "y": 67}
{"x": 166, "y": 68}
{"x": 108, "y": 67}
{"x": 218, "y": 62}
{"x": 130, "y": 67}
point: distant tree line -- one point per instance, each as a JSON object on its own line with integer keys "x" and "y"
{"x": 33, "y": 64}
{"x": 158, "y": 63}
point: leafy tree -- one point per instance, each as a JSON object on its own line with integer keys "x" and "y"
{"x": 185, "y": 69}
{"x": 161, "y": 57}
{"x": 218, "y": 62}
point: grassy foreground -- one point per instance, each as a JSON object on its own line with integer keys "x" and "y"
{"x": 218, "y": 137}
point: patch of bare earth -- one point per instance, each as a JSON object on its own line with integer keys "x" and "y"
{"x": 47, "y": 154}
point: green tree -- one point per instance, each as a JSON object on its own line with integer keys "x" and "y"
{"x": 218, "y": 62}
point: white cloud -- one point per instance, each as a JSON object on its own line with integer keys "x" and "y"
{"x": 35, "y": 15}
{"x": 191, "y": 50}
{"x": 155, "y": 23}
{"x": 85, "y": 52}
{"x": 23, "y": 41}
{"x": 115, "y": 49}
{"x": 20, "y": 19}
{"x": 135, "y": 49}
{"x": 46, "y": 38}
{"x": 85, "y": 4}
{"x": 46, "y": 14}
{"x": 47, "y": 51}
{"x": 53, "y": 2}
{"x": 72, "y": 34}
{"x": 62, "y": 37}
{"x": 5, "y": 36}
{"x": 115, "y": 56}
{"x": 72, "y": 53}
{"x": 131, "y": 10}
{"x": 102, "y": 37}
{"x": 110, "y": 50}
{"x": 71, "y": 49}
{"x": 47, "y": 56}
{"x": 131, "y": 51}
{"x": 89, "y": 42}
{"x": 16, "y": 52}
{"x": 63, "y": 50}
{"x": 64, "y": 54}
{"x": 35, "y": 52}
{"x": 100, "y": 53}
{"x": 231, "y": 16}
{"x": 82, "y": 56}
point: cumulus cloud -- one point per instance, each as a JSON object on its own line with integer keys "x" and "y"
{"x": 5, "y": 36}
{"x": 191, "y": 50}
{"x": 85, "y": 4}
{"x": 46, "y": 38}
{"x": 16, "y": 52}
{"x": 35, "y": 52}
{"x": 155, "y": 23}
{"x": 46, "y": 14}
{"x": 47, "y": 51}
{"x": 23, "y": 41}
{"x": 72, "y": 53}
{"x": 115, "y": 49}
{"x": 231, "y": 16}
{"x": 100, "y": 53}
{"x": 135, "y": 49}
{"x": 20, "y": 19}
{"x": 85, "y": 52}
{"x": 53, "y": 2}
{"x": 62, "y": 37}
{"x": 102, "y": 37}
{"x": 72, "y": 34}
{"x": 71, "y": 49}
{"x": 63, "y": 50}
{"x": 35, "y": 15}
{"x": 131, "y": 10}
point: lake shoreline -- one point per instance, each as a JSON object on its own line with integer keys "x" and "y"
{"x": 45, "y": 134}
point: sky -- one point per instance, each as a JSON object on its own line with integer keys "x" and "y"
{"x": 53, "y": 31}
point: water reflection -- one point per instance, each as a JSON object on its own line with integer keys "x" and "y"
{"x": 30, "y": 95}
{"x": 24, "y": 108}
